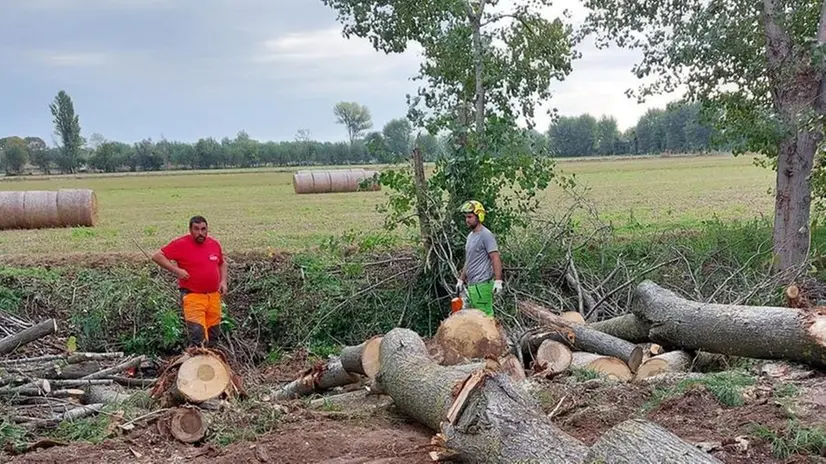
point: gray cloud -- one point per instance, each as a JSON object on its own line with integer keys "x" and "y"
{"x": 187, "y": 69}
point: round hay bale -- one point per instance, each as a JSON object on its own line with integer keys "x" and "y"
{"x": 77, "y": 207}
{"x": 303, "y": 182}
{"x": 322, "y": 183}
{"x": 11, "y": 210}
{"x": 40, "y": 209}
{"x": 342, "y": 181}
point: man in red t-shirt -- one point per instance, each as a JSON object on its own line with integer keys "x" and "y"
{"x": 202, "y": 279}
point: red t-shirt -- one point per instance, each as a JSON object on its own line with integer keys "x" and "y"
{"x": 201, "y": 260}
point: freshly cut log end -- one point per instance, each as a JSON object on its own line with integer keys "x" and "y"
{"x": 611, "y": 367}
{"x": 792, "y": 292}
{"x": 202, "y": 378}
{"x": 673, "y": 361}
{"x": 467, "y": 335}
{"x": 552, "y": 358}
{"x": 511, "y": 366}
{"x": 573, "y": 316}
{"x": 362, "y": 359}
{"x": 188, "y": 425}
{"x": 642, "y": 442}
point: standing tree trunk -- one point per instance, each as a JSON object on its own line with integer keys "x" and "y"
{"x": 475, "y": 18}
{"x": 421, "y": 200}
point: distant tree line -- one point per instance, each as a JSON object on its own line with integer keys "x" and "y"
{"x": 676, "y": 129}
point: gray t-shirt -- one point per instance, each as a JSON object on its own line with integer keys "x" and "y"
{"x": 477, "y": 262}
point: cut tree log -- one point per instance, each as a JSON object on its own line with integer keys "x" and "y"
{"x": 354, "y": 400}
{"x": 35, "y": 332}
{"x": 673, "y": 361}
{"x": 132, "y": 362}
{"x": 736, "y": 330}
{"x": 187, "y": 425}
{"x": 468, "y": 335}
{"x": 582, "y": 337}
{"x": 321, "y": 377}
{"x": 201, "y": 378}
{"x": 362, "y": 359}
{"x": 106, "y": 395}
{"x": 613, "y": 368}
{"x": 511, "y": 366}
{"x": 642, "y": 442}
{"x": 573, "y": 316}
{"x": 551, "y": 358}
{"x": 628, "y": 327}
{"x": 498, "y": 421}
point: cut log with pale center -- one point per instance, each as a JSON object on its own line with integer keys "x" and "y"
{"x": 749, "y": 331}
{"x": 613, "y": 368}
{"x": 628, "y": 327}
{"x": 498, "y": 422}
{"x": 582, "y": 337}
{"x": 573, "y": 316}
{"x": 201, "y": 378}
{"x": 511, "y": 366}
{"x": 188, "y": 425}
{"x": 552, "y": 358}
{"x": 673, "y": 361}
{"x": 362, "y": 359}
{"x": 642, "y": 442}
{"x": 467, "y": 335}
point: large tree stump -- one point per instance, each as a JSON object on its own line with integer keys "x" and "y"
{"x": 642, "y": 442}
{"x": 35, "y": 332}
{"x": 319, "y": 378}
{"x": 582, "y": 337}
{"x": 468, "y": 335}
{"x": 199, "y": 375}
{"x": 736, "y": 330}
{"x": 628, "y": 327}
{"x": 362, "y": 359}
{"x": 493, "y": 420}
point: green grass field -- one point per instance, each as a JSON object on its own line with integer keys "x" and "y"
{"x": 251, "y": 210}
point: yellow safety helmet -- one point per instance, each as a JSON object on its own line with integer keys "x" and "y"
{"x": 474, "y": 207}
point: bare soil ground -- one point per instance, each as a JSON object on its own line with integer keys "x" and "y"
{"x": 583, "y": 408}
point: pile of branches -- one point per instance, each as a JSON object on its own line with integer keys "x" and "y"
{"x": 42, "y": 391}
{"x": 467, "y": 382}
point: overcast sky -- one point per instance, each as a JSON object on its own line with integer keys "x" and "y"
{"x": 185, "y": 69}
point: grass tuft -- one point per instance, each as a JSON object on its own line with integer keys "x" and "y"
{"x": 727, "y": 387}
{"x": 795, "y": 439}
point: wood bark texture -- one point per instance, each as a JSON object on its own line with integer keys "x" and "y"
{"x": 35, "y": 332}
{"x": 749, "y": 331}
{"x": 498, "y": 421}
{"x": 318, "y": 379}
{"x": 639, "y": 441}
{"x": 628, "y": 327}
{"x": 362, "y": 359}
{"x": 582, "y": 337}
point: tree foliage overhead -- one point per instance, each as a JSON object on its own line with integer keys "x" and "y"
{"x": 483, "y": 69}
{"x": 757, "y": 67}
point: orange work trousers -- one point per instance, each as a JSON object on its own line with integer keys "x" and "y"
{"x": 202, "y": 314}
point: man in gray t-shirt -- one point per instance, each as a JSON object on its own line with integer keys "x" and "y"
{"x": 482, "y": 271}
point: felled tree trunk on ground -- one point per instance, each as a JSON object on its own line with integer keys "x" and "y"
{"x": 750, "y": 331}
{"x": 321, "y": 377}
{"x": 362, "y": 359}
{"x": 468, "y": 335}
{"x": 673, "y": 361}
{"x": 481, "y": 418}
{"x": 609, "y": 366}
{"x": 35, "y": 332}
{"x": 643, "y": 442}
{"x": 199, "y": 375}
{"x": 544, "y": 356}
{"x": 628, "y": 327}
{"x": 582, "y": 337}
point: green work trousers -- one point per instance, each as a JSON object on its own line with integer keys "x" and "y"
{"x": 481, "y": 297}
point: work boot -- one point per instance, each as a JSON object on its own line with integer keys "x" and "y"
{"x": 196, "y": 334}
{"x": 214, "y": 336}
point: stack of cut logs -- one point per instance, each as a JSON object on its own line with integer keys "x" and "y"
{"x": 466, "y": 384}
{"x": 47, "y": 389}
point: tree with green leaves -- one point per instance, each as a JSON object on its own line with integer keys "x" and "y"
{"x": 757, "y": 68}
{"x": 14, "y": 154}
{"x": 483, "y": 70}
{"x": 398, "y": 135}
{"x": 67, "y": 128}
{"x": 355, "y": 117}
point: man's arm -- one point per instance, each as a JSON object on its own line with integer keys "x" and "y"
{"x": 161, "y": 260}
{"x": 496, "y": 260}
{"x": 223, "y": 287}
